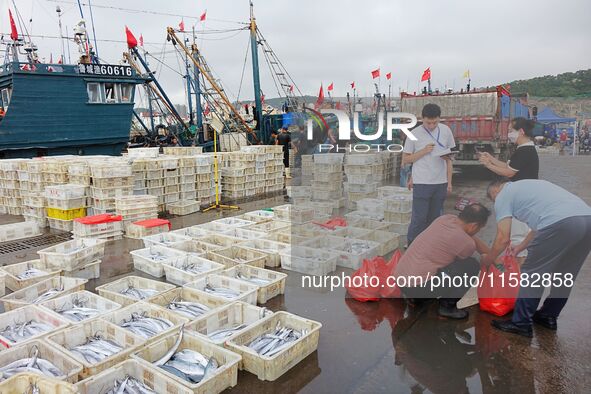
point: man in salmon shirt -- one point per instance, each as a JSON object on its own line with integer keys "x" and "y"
{"x": 445, "y": 248}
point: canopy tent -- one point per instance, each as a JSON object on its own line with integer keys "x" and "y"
{"x": 546, "y": 115}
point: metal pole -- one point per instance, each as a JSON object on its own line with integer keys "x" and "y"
{"x": 93, "y": 31}
{"x": 151, "y": 109}
{"x": 255, "y": 74}
{"x": 188, "y": 76}
{"x": 197, "y": 86}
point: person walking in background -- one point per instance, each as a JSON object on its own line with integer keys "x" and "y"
{"x": 523, "y": 164}
{"x": 284, "y": 139}
{"x": 558, "y": 244}
{"x": 563, "y": 139}
{"x": 431, "y": 169}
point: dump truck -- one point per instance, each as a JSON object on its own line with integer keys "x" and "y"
{"x": 478, "y": 119}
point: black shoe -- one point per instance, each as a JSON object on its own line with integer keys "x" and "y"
{"x": 509, "y": 326}
{"x": 452, "y": 312}
{"x": 545, "y": 321}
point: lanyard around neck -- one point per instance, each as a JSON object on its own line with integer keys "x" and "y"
{"x": 433, "y": 138}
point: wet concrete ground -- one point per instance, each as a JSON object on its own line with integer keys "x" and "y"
{"x": 387, "y": 347}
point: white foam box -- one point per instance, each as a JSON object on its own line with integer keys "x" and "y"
{"x": 247, "y": 292}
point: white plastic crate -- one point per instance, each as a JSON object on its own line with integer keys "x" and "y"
{"x": 10, "y": 232}
{"x": 30, "y": 313}
{"x": 136, "y": 153}
{"x": 361, "y": 159}
{"x": 225, "y": 376}
{"x": 3, "y": 276}
{"x": 293, "y": 214}
{"x": 237, "y": 255}
{"x": 328, "y": 158}
{"x": 398, "y": 217}
{"x": 151, "y": 258}
{"x": 218, "y": 241}
{"x": 370, "y": 204}
{"x": 269, "y": 227}
{"x": 233, "y": 222}
{"x": 65, "y": 204}
{"x": 193, "y": 232}
{"x": 176, "y": 274}
{"x": 247, "y": 292}
{"x": 88, "y": 271}
{"x": 385, "y": 192}
{"x": 72, "y": 254}
{"x": 275, "y": 280}
{"x": 91, "y": 300}
{"x": 83, "y": 230}
{"x": 360, "y": 188}
{"x": 65, "y": 191}
{"x": 79, "y": 334}
{"x": 148, "y": 375}
{"x": 105, "y": 170}
{"x": 180, "y": 294}
{"x": 29, "y": 294}
{"x": 260, "y": 216}
{"x": 112, "y": 290}
{"x": 164, "y": 239}
{"x": 399, "y": 203}
{"x": 182, "y": 208}
{"x": 308, "y": 260}
{"x": 388, "y": 241}
{"x": 244, "y": 233}
{"x": 374, "y": 215}
{"x": 228, "y": 316}
{"x": 271, "y": 248}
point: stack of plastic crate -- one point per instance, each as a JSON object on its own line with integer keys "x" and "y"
{"x": 64, "y": 203}
{"x": 204, "y": 179}
{"x": 106, "y": 226}
{"x": 110, "y": 179}
{"x": 187, "y": 191}
{"x": 55, "y": 171}
{"x": 182, "y": 150}
{"x": 171, "y": 172}
{"x": 10, "y": 189}
{"x": 307, "y": 170}
{"x": 79, "y": 173}
{"x": 397, "y": 208}
{"x": 327, "y": 183}
{"x": 274, "y": 181}
{"x": 364, "y": 174}
{"x": 32, "y": 193}
{"x": 235, "y": 167}
{"x": 136, "y": 208}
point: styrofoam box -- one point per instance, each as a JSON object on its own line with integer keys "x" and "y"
{"x": 247, "y": 292}
{"x": 90, "y": 300}
{"x": 143, "y": 260}
{"x": 22, "y": 383}
{"x": 189, "y": 295}
{"x": 27, "y": 295}
{"x": 308, "y": 260}
{"x": 271, "y": 368}
{"x": 12, "y": 271}
{"x": 113, "y": 290}
{"x": 67, "y": 365}
{"x": 150, "y": 376}
{"x": 225, "y": 376}
{"x": 143, "y": 308}
{"x": 10, "y": 232}
{"x": 164, "y": 239}
{"x": 274, "y": 287}
{"x": 228, "y": 316}
{"x": 72, "y": 254}
{"x": 237, "y": 255}
{"x": 30, "y": 313}
{"x": 271, "y": 248}
{"x": 175, "y": 274}
{"x": 79, "y": 334}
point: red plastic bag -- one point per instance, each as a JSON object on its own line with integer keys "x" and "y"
{"x": 499, "y": 286}
{"x": 388, "y": 271}
{"x": 361, "y": 289}
{"x": 333, "y": 223}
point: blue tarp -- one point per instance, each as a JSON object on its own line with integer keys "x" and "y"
{"x": 546, "y": 115}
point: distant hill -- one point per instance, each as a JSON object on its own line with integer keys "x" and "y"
{"x": 577, "y": 84}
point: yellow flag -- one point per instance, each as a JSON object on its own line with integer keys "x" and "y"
{"x": 466, "y": 74}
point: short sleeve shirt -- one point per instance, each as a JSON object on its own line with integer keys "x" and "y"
{"x": 526, "y": 162}
{"x": 430, "y": 169}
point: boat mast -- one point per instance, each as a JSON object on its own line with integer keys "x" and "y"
{"x": 197, "y": 86}
{"x": 256, "y": 75}
{"x": 59, "y": 18}
{"x": 189, "y": 90}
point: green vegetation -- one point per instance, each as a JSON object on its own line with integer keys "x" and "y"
{"x": 577, "y": 84}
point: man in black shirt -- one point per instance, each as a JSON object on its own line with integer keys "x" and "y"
{"x": 523, "y": 164}
{"x": 284, "y": 139}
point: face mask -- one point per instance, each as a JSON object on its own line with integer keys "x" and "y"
{"x": 513, "y": 135}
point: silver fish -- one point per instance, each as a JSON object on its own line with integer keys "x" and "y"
{"x": 78, "y": 310}
{"x": 33, "y": 364}
{"x": 172, "y": 350}
{"x": 96, "y": 349}
{"x": 252, "y": 279}
{"x": 130, "y": 385}
{"x": 189, "y": 309}
{"x": 190, "y": 365}
{"x": 270, "y": 344}
{"x": 48, "y": 295}
{"x": 220, "y": 335}
{"x": 22, "y": 331}
{"x": 221, "y": 291}
{"x": 138, "y": 294}
{"x": 30, "y": 273}
{"x": 146, "y": 326}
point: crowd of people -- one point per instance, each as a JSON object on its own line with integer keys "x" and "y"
{"x": 546, "y": 225}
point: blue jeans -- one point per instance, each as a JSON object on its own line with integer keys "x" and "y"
{"x": 427, "y": 205}
{"x": 404, "y": 173}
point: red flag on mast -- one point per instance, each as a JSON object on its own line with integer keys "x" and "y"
{"x": 203, "y": 16}
{"x": 426, "y": 74}
{"x": 389, "y": 76}
{"x": 182, "y": 26}
{"x": 291, "y": 88}
{"x": 13, "y": 31}
{"x": 60, "y": 60}
{"x": 330, "y": 87}
{"x": 131, "y": 40}
{"x": 141, "y": 40}
{"x": 375, "y": 73}
{"x": 353, "y": 85}
{"x": 320, "y": 99}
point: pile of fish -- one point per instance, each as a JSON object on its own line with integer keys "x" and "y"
{"x": 220, "y": 335}
{"x": 272, "y": 343}
{"x": 21, "y": 331}
{"x": 31, "y": 364}
{"x": 189, "y": 309}
{"x": 190, "y": 268}
{"x": 29, "y": 273}
{"x": 157, "y": 256}
{"x": 96, "y": 349}
{"x": 146, "y": 326}
{"x": 221, "y": 291}
{"x": 187, "y": 364}
{"x": 78, "y": 310}
{"x": 138, "y": 294}
{"x": 49, "y": 294}
{"x": 252, "y": 279}
{"x": 130, "y": 385}
{"x": 356, "y": 247}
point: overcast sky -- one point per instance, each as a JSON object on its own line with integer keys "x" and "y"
{"x": 341, "y": 41}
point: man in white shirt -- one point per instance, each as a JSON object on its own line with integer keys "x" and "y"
{"x": 431, "y": 169}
